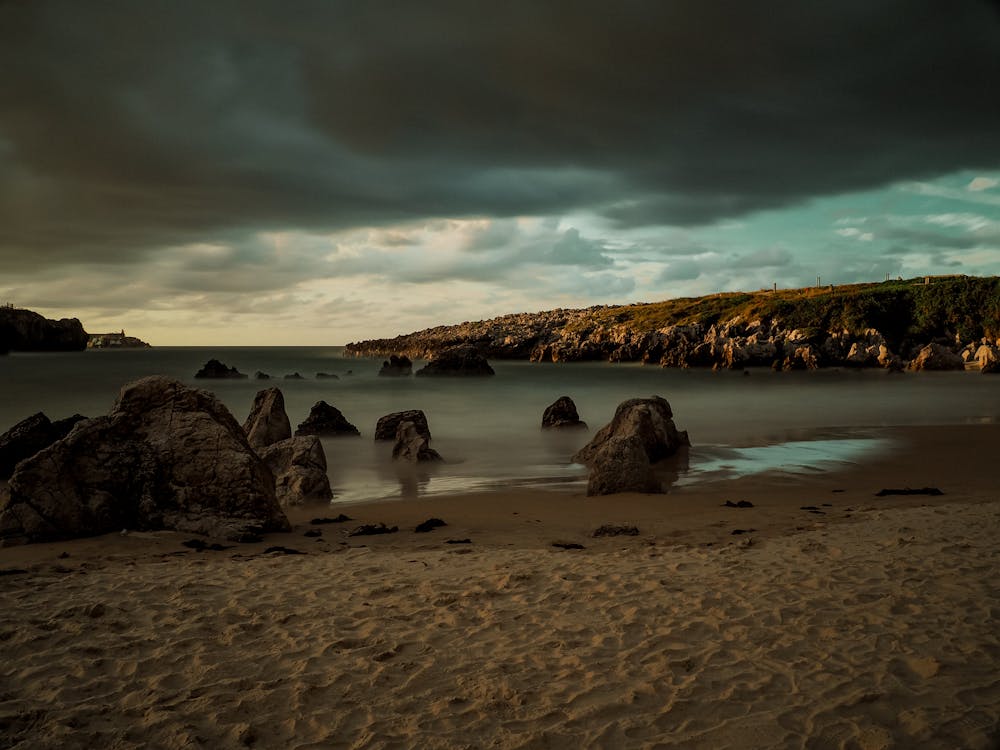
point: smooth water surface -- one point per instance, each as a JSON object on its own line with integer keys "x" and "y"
{"x": 488, "y": 429}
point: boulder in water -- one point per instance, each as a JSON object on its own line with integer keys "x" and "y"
{"x": 385, "y": 428}
{"x": 267, "y": 422}
{"x": 412, "y": 446}
{"x": 396, "y": 366}
{"x": 457, "y": 362}
{"x": 299, "y": 468}
{"x": 216, "y": 370}
{"x": 562, "y": 414}
{"x": 326, "y": 421}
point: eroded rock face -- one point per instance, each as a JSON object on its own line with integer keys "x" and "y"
{"x": 326, "y": 420}
{"x": 216, "y": 370}
{"x": 936, "y": 357}
{"x": 460, "y": 362}
{"x": 29, "y": 436}
{"x": 27, "y": 331}
{"x": 562, "y": 414}
{"x": 385, "y": 428}
{"x": 412, "y": 446}
{"x": 267, "y": 422}
{"x": 396, "y": 367}
{"x": 651, "y": 419}
{"x": 166, "y": 457}
{"x": 621, "y": 465}
{"x": 299, "y": 468}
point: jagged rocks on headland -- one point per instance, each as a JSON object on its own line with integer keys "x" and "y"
{"x": 861, "y": 325}
{"x": 166, "y": 457}
{"x": 620, "y": 456}
{"x": 562, "y": 414}
{"x": 396, "y": 367}
{"x": 459, "y": 362}
{"x": 267, "y": 422}
{"x": 325, "y": 420}
{"x": 299, "y": 468}
{"x": 214, "y": 369}
{"x": 385, "y": 428}
{"x": 29, "y": 436}
{"x": 27, "y": 331}
{"x": 937, "y": 357}
{"x": 115, "y": 341}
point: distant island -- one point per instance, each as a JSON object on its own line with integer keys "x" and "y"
{"x": 926, "y": 323}
{"x": 115, "y": 341}
{"x": 24, "y": 330}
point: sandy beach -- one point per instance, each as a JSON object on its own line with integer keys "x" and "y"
{"x": 823, "y": 616}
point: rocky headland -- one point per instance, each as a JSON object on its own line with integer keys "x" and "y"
{"x": 888, "y": 325}
{"x": 115, "y": 341}
{"x": 27, "y": 331}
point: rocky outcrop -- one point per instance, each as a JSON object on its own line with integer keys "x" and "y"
{"x": 461, "y": 362}
{"x": 166, "y": 457}
{"x": 385, "y": 428}
{"x": 29, "y": 436}
{"x": 326, "y": 421}
{"x": 621, "y": 456}
{"x": 396, "y": 367}
{"x": 214, "y": 369}
{"x": 327, "y": 376}
{"x": 27, "y": 331}
{"x": 267, "y": 422}
{"x": 261, "y": 376}
{"x": 650, "y": 419}
{"x": 562, "y": 414}
{"x": 299, "y": 468}
{"x": 936, "y": 357}
{"x": 412, "y": 446}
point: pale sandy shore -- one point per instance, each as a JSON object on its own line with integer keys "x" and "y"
{"x": 866, "y": 622}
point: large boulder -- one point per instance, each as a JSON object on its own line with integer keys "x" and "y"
{"x": 214, "y": 369}
{"x": 396, "y": 367}
{"x": 326, "y": 421}
{"x": 267, "y": 422}
{"x": 29, "y": 436}
{"x": 166, "y": 457}
{"x": 562, "y": 414}
{"x": 936, "y": 357}
{"x": 622, "y": 465}
{"x": 651, "y": 419}
{"x": 458, "y": 362}
{"x": 299, "y": 468}
{"x": 411, "y": 446}
{"x": 385, "y": 428}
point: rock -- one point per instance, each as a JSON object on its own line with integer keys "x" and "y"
{"x": 412, "y": 446}
{"x": 429, "y": 525}
{"x": 936, "y": 357}
{"x": 621, "y": 465}
{"x": 299, "y": 468}
{"x": 609, "y": 529}
{"x": 385, "y": 428}
{"x": 267, "y": 422}
{"x": 988, "y": 358}
{"x": 261, "y": 376}
{"x": 651, "y": 419}
{"x": 801, "y": 358}
{"x": 562, "y": 413}
{"x": 396, "y": 366}
{"x": 215, "y": 369}
{"x": 341, "y": 518}
{"x": 117, "y": 340}
{"x": 29, "y": 436}
{"x": 166, "y": 457}
{"x": 27, "y": 331}
{"x": 372, "y": 529}
{"x": 327, "y": 421}
{"x": 326, "y": 376}
{"x": 458, "y": 362}
{"x": 294, "y": 376}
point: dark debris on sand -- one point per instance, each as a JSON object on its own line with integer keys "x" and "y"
{"x": 908, "y": 491}
{"x": 609, "y": 529}
{"x": 738, "y": 504}
{"x": 429, "y": 525}
{"x": 339, "y": 519}
{"x": 372, "y": 529}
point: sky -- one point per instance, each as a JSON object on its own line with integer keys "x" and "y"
{"x": 313, "y": 173}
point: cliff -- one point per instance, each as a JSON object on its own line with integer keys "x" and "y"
{"x": 852, "y": 325}
{"x": 27, "y": 331}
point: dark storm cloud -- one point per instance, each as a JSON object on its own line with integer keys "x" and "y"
{"x": 129, "y": 126}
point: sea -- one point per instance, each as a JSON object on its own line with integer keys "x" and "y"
{"x": 488, "y": 430}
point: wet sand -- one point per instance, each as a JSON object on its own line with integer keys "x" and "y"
{"x": 835, "y": 619}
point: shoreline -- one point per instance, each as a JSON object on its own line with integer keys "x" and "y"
{"x": 869, "y": 624}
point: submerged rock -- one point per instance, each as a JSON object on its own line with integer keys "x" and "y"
{"x": 562, "y": 414}
{"x": 166, "y": 457}
{"x": 385, "y": 428}
{"x": 396, "y": 366}
{"x": 217, "y": 370}
{"x": 326, "y": 420}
